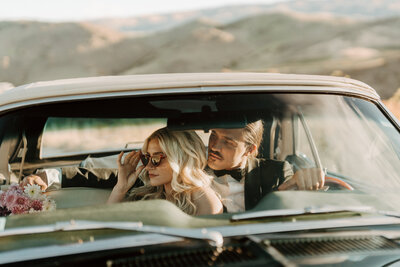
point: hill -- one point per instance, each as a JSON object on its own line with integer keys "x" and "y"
{"x": 276, "y": 42}
{"x": 33, "y": 51}
{"x": 284, "y": 43}
{"x": 360, "y": 9}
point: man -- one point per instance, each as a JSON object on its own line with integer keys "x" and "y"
{"x": 241, "y": 178}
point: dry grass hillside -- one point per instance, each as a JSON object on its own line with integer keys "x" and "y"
{"x": 275, "y": 42}
{"x": 368, "y": 51}
{"x": 33, "y": 51}
{"x": 228, "y": 14}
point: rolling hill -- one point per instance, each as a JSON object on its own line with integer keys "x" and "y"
{"x": 368, "y": 50}
{"x": 360, "y": 9}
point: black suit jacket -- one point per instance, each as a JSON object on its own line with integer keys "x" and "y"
{"x": 262, "y": 177}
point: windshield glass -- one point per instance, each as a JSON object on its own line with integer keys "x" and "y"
{"x": 354, "y": 140}
{"x": 202, "y": 136}
{"x": 63, "y": 136}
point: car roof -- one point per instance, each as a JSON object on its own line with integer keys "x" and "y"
{"x": 81, "y": 88}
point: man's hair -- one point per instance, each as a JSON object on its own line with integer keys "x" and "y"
{"x": 253, "y": 134}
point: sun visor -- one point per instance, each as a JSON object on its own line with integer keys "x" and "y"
{"x": 207, "y": 121}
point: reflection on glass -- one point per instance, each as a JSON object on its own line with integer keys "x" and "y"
{"x": 66, "y": 136}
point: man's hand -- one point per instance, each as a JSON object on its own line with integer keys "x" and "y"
{"x": 39, "y": 179}
{"x": 305, "y": 179}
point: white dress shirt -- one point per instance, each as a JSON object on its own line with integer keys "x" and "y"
{"x": 231, "y": 192}
{"x": 54, "y": 176}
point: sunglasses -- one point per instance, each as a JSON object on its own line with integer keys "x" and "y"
{"x": 155, "y": 159}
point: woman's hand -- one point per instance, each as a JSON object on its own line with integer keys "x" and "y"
{"x": 127, "y": 175}
{"x": 127, "y": 172}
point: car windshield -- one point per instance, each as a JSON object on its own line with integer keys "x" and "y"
{"x": 350, "y": 138}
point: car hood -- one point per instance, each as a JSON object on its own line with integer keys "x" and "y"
{"x": 164, "y": 213}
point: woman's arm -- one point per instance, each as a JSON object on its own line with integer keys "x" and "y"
{"x": 117, "y": 195}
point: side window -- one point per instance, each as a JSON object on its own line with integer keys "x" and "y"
{"x": 72, "y": 136}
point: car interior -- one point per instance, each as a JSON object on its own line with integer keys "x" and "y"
{"x": 21, "y": 144}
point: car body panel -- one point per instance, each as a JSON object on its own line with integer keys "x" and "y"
{"x": 81, "y": 88}
{"x": 76, "y": 204}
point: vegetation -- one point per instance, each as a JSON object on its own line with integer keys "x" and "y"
{"x": 56, "y": 124}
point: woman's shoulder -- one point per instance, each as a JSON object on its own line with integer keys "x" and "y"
{"x": 206, "y": 201}
{"x": 201, "y": 192}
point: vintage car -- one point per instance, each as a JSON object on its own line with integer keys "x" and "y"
{"x": 79, "y": 126}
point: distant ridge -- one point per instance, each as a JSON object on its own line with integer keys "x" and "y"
{"x": 355, "y": 9}
{"x": 287, "y": 42}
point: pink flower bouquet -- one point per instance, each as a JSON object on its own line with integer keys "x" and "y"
{"x": 20, "y": 200}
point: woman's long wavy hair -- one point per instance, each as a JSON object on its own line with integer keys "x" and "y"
{"x": 186, "y": 154}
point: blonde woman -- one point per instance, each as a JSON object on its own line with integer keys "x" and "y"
{"x": 173, "y": 163}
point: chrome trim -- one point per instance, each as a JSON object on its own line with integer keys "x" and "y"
{"x": 294, "y": 212}
{"x": 389, "y": 115}
{"x": 294, "y": 225}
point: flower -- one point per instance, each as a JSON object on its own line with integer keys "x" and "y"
{"x": 33, "y": 191}
{"x": 49, "y": 205}
{"x": 10, "y": 199}
{"x": 21, "y": 200}
{"x": 15, "y": 188}
{"x": 33, "y": 211}
{"x": 36, "y": 205}
{"x": 2, "y": 197}
{"x": 18, "y": 209}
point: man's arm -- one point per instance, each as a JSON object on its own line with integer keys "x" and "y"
{"x": 305, "y": 179}
{"x": 47, "y": 179}
{"x": 53, "y": 179}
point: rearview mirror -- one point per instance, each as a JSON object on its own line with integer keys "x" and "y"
{"x": 206, "y": 121}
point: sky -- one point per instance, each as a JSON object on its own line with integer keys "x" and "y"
{"x": 73, "y": 10}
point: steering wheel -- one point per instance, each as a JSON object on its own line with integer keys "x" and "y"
{"x": 337, "y": 182}
{"x": 301, "y": 161}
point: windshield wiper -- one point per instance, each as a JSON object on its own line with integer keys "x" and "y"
{"x": 295, "y": 212}
{"x": 214, "y": 237}
{"x": 389, "y": 213}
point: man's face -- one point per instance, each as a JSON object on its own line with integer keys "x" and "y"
{"x": 226, "y": 149}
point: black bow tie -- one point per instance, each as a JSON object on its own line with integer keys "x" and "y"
{"x": 237, "y": 174}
